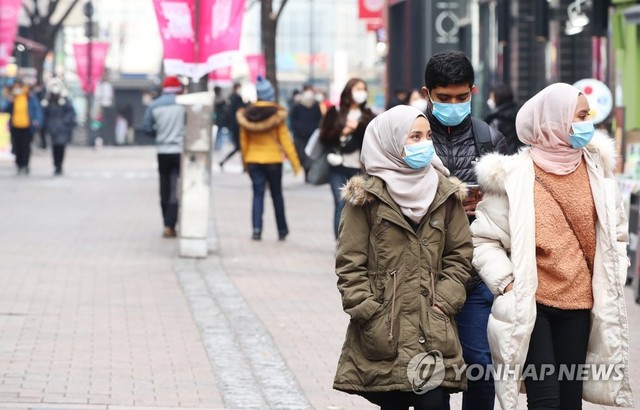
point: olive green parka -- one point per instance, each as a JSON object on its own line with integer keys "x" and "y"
{"x": 390, "y": 276}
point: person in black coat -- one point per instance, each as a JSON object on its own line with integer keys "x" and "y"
{"x": 235, "y": 103}
{"x": 59, "y": 120}
{"x": 304, "y": 118}
{"x": 503, "y": 114}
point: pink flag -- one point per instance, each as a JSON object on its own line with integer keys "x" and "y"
{"x": 176, "y": 23}
{"x": 220, "y": 26}
{"x": 8, "y": 27}
{"x": 221, "y": 75}
{"x": 257, "y": 66}
{"x": 219, "y": 34}
{"x": 98, "y": 56}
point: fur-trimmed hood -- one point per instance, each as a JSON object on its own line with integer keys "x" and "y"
{"x": 493, "y": 168}
{"x": 261, "y": 116}
{"x": 362, "y": 189}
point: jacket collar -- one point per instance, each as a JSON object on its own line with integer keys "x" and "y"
{"x": 261, "y": 116}
{"x": 440, "y": 129}
{"x": 492, "y": 170}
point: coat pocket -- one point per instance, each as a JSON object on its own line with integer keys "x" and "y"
{"x": 441, "y": 333}
{"x": 375, "y": 340}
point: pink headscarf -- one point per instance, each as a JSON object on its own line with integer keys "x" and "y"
{"x": 544, "y": 123}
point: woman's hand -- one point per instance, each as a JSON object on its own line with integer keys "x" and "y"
{"x": 438, "y": 309}
{"x": 508, "y": 288}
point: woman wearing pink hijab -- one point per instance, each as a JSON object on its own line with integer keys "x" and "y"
{"x": 550, "y": 242}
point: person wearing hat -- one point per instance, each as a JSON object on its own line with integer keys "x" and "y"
{"x": 59, "y": 120}
{"x": 264, "y": 140}
{"x": 164, "y": 119}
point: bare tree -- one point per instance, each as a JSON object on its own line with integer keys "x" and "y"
{"x": 42, "y": 28}
{"x": 269, "y": 25}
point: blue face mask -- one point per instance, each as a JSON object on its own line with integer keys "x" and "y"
{"x": 451, "y": 114}
{"x": 582, "y": 133}
{"x": 419, "y": 155}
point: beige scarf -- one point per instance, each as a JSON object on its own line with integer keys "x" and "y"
{"x": 384, "y": 139}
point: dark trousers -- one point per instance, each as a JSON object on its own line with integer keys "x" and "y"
{"x": 559, "y": 338}
{"x": 338, "y": 176}
{"x": 169, "y": 169}
{"x": 436, "y": 399}
{"x": 472, "y": 330}
{"x": 22, "y": 137}
{"x": 58, "y": 156}
{"x": 261, "y": 175}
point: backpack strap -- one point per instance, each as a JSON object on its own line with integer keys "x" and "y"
{"x": 482, "y": 136}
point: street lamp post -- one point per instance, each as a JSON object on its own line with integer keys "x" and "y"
{"x": 88, "y": 12}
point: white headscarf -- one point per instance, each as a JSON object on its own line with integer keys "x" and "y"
{"x": 384, "y": 139}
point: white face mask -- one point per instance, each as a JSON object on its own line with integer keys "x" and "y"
{"x": 55, "y": 90}
{"x": 319, "y": 98}
{"x": 491, "y": 104}
{"x": 359, "y": 96}
{"x": 16, "y": 91}
{"x": 307, "y": 96}
{"x": 420, "y": 104}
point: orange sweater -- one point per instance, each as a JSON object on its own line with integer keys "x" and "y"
{"x": 564, "y": 256}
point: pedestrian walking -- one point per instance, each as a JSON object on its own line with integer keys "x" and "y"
{"x": 59, "y": 120}
{"x": 503, "y": 114}
{"x": 403, "y": 258}
{"x": 460, "y": 140}
{"x": 342, "y": 131}
{"x": 264, "y": 140}
{"x": 235, "y": 103}
{"x": 221, "y": 115}
{"x": 25, "y": 118}
{"x": 550, "y": 240}
{"x": 304, "y": 120}
{"x": 164, "y": 119}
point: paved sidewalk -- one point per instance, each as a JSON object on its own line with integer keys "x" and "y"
{"x": 91, "y": 312}
{"x": 292, "y": 285}
{"x": 97, "y": 311}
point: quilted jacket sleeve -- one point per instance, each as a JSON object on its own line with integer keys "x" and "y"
{"x": 492, "y": 243}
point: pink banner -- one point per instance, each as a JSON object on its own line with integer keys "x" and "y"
{"x": 257, "y": 66}
{"x": 220, "y": 29}
{"x": 9, "y": 12}
{"x": 98, "y": 57}
{"x": 176, "y": 25}
{"x": 220, "y": 26}
{"x": 221, "y": 75}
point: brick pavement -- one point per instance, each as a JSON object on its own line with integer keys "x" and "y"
{"x": 292, "y": 285}
{"x": 91, "y": 313}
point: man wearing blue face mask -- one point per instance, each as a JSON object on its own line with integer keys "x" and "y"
{"x": 459, "y": 140}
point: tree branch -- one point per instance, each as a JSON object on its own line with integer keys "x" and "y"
{"x": 58, "y": 25}
{"x": 251, "y": 4}
{"x": 29, "y": 14}
{"x": 53, "y": 5}
{"x": 284, "y": 3}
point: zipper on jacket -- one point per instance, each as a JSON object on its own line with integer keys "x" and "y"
{"x": 393, "y": 307}
{"x": 452, "y": 169}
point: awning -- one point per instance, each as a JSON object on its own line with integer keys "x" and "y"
{"x": 31, "y": 45}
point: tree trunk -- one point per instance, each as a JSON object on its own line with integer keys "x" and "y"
{"x": 268, "y": 28}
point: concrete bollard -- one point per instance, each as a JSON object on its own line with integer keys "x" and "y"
{"x": 195, "y": 186}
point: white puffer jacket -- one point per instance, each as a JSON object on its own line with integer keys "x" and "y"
{"x": 505, "y": 252}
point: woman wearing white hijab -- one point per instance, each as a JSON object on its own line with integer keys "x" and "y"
{"x": 403, "y": 259}
{"x": 550, "y": 241}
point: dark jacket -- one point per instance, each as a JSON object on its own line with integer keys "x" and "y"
{"x": 457, "y": 149}
{"x": 235, "y": 103}
{"x": 59, "y": 120}
{"x": 304, "y": 120}
{"x": 331, "y": 130}
{"x": 390, "y": 276}
{"x": 504, "y": 120}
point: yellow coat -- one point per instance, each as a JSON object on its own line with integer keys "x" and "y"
{"x": 264, "y": 136}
